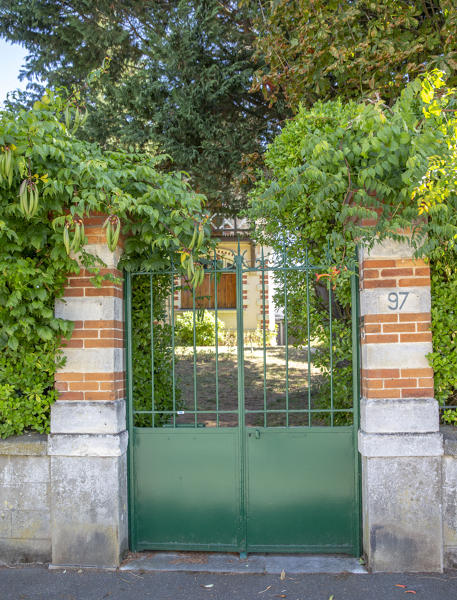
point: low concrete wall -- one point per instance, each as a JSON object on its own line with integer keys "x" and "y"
{"x": 450, "y": 496}
{"x": 25, "y": 502}
{"x": 25, "y": 532}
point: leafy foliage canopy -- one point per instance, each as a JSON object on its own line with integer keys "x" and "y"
{"x": 326, "y": 49}
{"x": 341, "y": 164}
{"x": 66, "y": 179}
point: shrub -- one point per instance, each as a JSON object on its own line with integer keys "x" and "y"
{"x": 27, "y": 387}
{"x": 335, "y": 165}
{"x": 443, "y": 359}
{"x": 254, "y": 337}
{"x": 251, "y": 337}
{"x": 205, "y": 329}
{"x": 141, "y": 350}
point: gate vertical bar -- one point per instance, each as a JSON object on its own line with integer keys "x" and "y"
{"x": 217, "y": 337}
{"x": 355, "y": 406}
{"x": 264, "y": 339}
{"x": 194, "y": 339}
{"x": 129, "y": 376}
{"x": 286, "y": 330}
{"x": 308, "y": 329}
{"x": 151, "y": 300}
{"x": 173, "y": 366}
{"x": 241, "y": 413}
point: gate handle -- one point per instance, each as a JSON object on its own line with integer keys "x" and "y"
{"x": 257, "y": 434}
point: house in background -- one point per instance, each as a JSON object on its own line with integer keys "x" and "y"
{"x": 230, "y": 232}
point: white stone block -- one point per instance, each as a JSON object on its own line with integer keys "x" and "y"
{"x": 110, "y": 259}
{"x": 28, "y": 444}
{"x": 396, "y": 356}
{"x": 375, "y": 445}
{"x": 88, "y": 417}
{"x": 89, "y": 510}
{"x": 379, "y": 300}
{"x": 23, "y": 469}
{"x": 95, "y": 360}
{"x": 30, "y": 524}
{"x": 415, "y": 415}
{"x": 13, "y": 551}
{"x": 90, "y": 308}
{"x": 88, "y": 445}
{"x": 24, "y": 496}
{"x": 402, "y": 513}
{"x": 387, "y": 249}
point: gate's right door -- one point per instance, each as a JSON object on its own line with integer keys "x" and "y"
{"x": 301, "y": 489}
{"x": 301, "y": 420}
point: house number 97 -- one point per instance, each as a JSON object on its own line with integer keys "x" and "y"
{"x": 397, "y": 300}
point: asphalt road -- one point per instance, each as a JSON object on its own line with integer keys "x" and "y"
{"x": 38, "y": 583}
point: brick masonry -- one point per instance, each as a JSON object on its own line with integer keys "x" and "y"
{"x": 91, "y": 386}
{"x": 397, "y": 280}
{"x": 88, "y": 441}
{"x": 81, "y": 285}
{"x": 103, "y": 334}
{"x": 401, "y": 272}
{"x": 399, "y": 438}
{"x": 264, "y": 298}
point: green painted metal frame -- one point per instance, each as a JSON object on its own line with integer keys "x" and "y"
{"x": 244, "y": 432}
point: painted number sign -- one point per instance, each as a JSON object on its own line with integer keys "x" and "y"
{"x": 396, "y": 300}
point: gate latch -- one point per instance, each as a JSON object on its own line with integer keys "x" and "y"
{"x": 256, "y": 434}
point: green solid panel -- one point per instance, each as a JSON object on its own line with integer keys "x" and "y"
{"x": 187, "y": 488}
{"x": 300, "y": 489}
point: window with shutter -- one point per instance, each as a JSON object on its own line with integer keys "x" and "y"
{"x": 205, "y": 293}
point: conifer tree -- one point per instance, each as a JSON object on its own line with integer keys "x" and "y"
{"x": 179, "y": 80}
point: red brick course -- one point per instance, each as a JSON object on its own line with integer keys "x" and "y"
{"x": 380, "y": 273}
{"x": 80, "y": 285}
{"x": 396, "y": 328}
{"x": 397, "y": 383}
{"x": 91, "y": 386}
{"x": 96, "y": 334}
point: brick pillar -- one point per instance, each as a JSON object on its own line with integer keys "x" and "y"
{"x": 399, "y": 438}
{"x": 88, "y": 438}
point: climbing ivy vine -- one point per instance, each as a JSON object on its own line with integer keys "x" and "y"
{"x": 338, "y": 164}
{"x": 49, "y": 181}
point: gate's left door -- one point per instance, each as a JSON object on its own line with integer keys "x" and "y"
{"x": 185, "y": 490}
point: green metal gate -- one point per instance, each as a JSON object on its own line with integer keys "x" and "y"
{"x": 224, "y": 453}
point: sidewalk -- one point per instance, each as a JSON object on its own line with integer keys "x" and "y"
{"x": 40, "y": 583}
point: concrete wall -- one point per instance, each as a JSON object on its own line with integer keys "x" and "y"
{"x": 25, "y": 532}
{"x": 28, "y": 494}
{"x": 449, "y": 477}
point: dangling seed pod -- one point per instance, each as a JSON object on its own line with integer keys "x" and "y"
{"x": 67, "y": 116}
{"x": 28, "y": 198}
{"x": 78, "y": 235}
{"x": 77, "y": 120}
{"x": 113, "y": 230}
{"x": 7, "y": 165}
{"x": 66, "y": 237}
